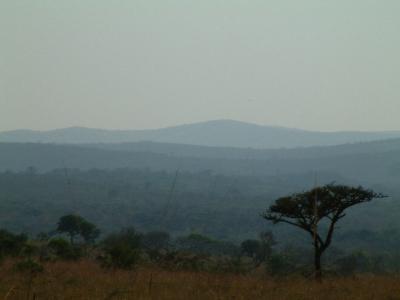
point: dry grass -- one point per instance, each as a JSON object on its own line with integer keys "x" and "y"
{"x": 86, "y": 280}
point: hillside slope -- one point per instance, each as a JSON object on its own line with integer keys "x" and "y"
{"x": 368, "y": 162}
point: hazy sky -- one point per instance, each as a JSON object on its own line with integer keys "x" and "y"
{"x": 314, "y": 64}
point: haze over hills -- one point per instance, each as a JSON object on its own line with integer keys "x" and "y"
{"x": 220, "y": 133}
{"x": 371, "y": 163}
{"x": 185, "y": 150}
{"x": 133, "y": 181}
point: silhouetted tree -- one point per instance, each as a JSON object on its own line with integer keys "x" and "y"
{"x": 70, "y": 224}
{"x": 74, "y": 225}
{"x": 322, "y": 204}
{"x": 89, "y": 231}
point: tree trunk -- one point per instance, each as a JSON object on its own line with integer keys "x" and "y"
{"x": 317, "y": 264}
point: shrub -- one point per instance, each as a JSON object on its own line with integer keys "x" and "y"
{"x": 29, "y": 266}
{"x": 122, "y": 249}
{"x": 11, "y": 244}
{"x": 63, "y": 249}
{"x": 75, "y": 225}
{"x": 156, "y": 240}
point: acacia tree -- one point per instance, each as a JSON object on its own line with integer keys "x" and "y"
{"x": 324, "y": 205}
{"x": 74, "y": 225}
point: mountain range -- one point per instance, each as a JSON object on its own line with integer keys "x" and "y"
{"x": 218, "y": 133}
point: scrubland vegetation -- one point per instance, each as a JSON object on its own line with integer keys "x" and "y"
{"x": 87, "y": 280}
{"x": 146, "y": 234}
{"x": 73, "y": 262}
{"x": 186, "y": 150}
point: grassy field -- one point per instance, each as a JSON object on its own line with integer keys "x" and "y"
{"x": 86, "y": 280}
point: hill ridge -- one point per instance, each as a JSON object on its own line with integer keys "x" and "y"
{"x": 219, "y": 133}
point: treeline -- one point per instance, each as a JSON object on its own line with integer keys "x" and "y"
{"x": 222, "y": 207}
{"x": 369, "y": 162}
{"x": 226, "y": 207}
{"x": 75, "y": 238}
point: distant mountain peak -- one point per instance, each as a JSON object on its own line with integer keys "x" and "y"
{"x": 221, "y": 133}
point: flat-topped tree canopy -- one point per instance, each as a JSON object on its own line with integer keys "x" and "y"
{"x": 305, "y": 210}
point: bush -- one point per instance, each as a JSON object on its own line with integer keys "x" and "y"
{"x": 29, "y": 266}
{"x": 200, "y": 244}
{"x": 11, "y": 244}
{"x": 29, "y": 250}
{"x": 122, "y": 249}
{"x": 156, "y": 240}
{"x": 121, "y": 257}
{"x": 63, "y": 249}
{"x": 359, "y": 262}
{"x": 280, "y": 265}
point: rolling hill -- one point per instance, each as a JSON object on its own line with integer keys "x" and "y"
{"x": 217, "y": 192}
{"x": 220, "y": 133}
{"x": 373, "y": 162}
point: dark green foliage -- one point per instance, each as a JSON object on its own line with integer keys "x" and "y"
{"x": 11, "y": 244}
{"x": 89, "y": 231}
{"x": 29, "y": 250}
{"x": 71, "y": 225}
{"x": 221, "y": 207}
{"x": 61, "y": 248}
{"x": 196, "y": 252}
{"x": 128, "y": 236}
{"x": 29, "y": 266}
{"x": 122, "y": 249}
{"x": 74, "y": 225}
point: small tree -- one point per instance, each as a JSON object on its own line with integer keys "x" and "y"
{"x": 75, "y": 225}
{"x": 259, "y": 250}
{"x": 70, "y": 224}
{"x": 324, "y": 205}
{"x": 89, "y": 231}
